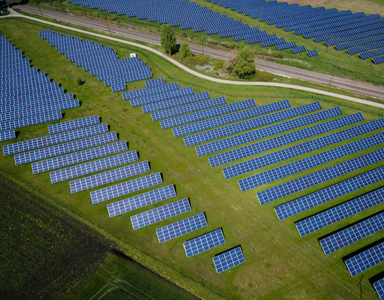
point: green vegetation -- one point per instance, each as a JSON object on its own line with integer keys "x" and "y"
{"x": 167, "y": 39}
{"x": 185, "y": 51}
{"x": 242, "y": 66}
{"x": 279, "y": 264}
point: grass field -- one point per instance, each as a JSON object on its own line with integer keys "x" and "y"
{"x": 279, "y": 264}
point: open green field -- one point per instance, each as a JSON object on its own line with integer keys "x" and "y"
{"x": 279, "y": 264}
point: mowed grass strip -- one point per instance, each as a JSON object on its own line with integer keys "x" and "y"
{"x": 278, "y": 264}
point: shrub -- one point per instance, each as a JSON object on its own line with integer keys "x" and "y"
{"x": 243, "y": 65}
{"x": 185, "y": 51}
{"x": 167, "y": 39}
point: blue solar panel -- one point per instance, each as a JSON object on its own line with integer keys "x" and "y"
{"x": 312, "y": 53}
{"x": 150, "y": 91}
{"x": 145, "y": 199}
{"x": 329, "y": 193}
{"x": 250, "y": 124}
{"x": 379, "y": 287}
{"x": 365, "y": 260}
{"x": 352, "y": 234}
{"x": 160, "y": 213}
{"x": 31, "y": 120}
{"x": 74, "y": 124}
{"x": 161, "y": 96}
{"x": 7, "y": 135}
{"x": 340, "y": 212}
{"x": 56, "y": 150}
{"x": 372, "y": 53}
{"x": 286, "y": 153}
{"x": 154, "y": 82}
{"x": 228, "y": 259}
{"x": 298, "y": 49}
{"x": 378, "y": 60}
{"x": 208, "y": 113}
{"x": 24, "y": 113}
{"x": 54, "y": 139}
{"x": 204, "y": 242}
{"x": 126, "y": 188}
{"x": 182, "y": 227}
{"x": 302, "y": 165}
{"x": 108, "y": 177}
{"x": 266, "y": 132}
{"x": 179, "y": 110}
{"x": 233, "y": 117}
{"x": 175, "y": 102}
{"x": 93, "y": 166}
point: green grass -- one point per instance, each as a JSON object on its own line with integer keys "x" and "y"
{"x": 279, "y": 264}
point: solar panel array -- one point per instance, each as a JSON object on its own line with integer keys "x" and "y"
{"x": 249, "y": 124}
{"x": 365, "y": 47}
{"x": 329, "y": 193}
{"x": 161, "y": 96}
{"x": 150, "y": 91}
{"x": 160, "y": 213}
{"x": 93, "y": 166}
{"x": 231, "y": 118}
{"x": 372, "y": 53}
{"x": 108, "y": 177}
{"x": 340, "y": 212}
{"x": 379, "y": 287}
{"x": 228, "y": 260}
{"x": 54, "y": 139}
{"x": 298, "y": 49}
{"x": 265, "y": 132}
{"x": 74, "y": 124}
{"x": 78, "y": 157}
{"x": 99, "y": 60}
{"x": 125, "y": 188}
{"x": 365, "y": 260}
{"x": 208, "y": 113}
{"x": 360, "y": 42}
{"x": 145, "y": 199}
{"x": 182, "y": 227}
{"x": 312, "y": 53}
{"x": 286, "y": 153}
{"x": 7, "y": 135}
{"x": 204, "y": 242}
{"x": 60, "y": 149}
{"x": 154, "y": 82}
{"x": 352, "y": 234}
{"x": 378, "y": 60}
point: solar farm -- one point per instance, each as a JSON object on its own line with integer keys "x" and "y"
{"x": 230, "y": 192}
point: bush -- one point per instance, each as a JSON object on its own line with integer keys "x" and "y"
{"x": 167, "y": 39}
{"x": 243, "y": 65}
{"x": 185, "y": 51}
{"x": 218, "y": 64}
{"x": 80, "y": 81}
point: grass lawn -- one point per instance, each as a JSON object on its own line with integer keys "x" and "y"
{"x": 279, "y": 264}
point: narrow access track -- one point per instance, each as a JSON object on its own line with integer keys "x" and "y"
{"x": 197, "y": 74}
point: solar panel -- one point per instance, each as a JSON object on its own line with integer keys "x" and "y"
{"x": 32, "y": 120}
{"x": 160, "y": 213}
{"x": 228, "y": 260}
{"x": 329, "y": 193}
{"x": 108, "y": 177}
{"x": 23, "y": 113}
{"x": 286, "y": 153}
{"x": 182, "y": 227}
{"x": 379, "y": 287}
{"x": 378, "y": 60}
{"x": 312, "y": 53}
{"x": 56, "y": 150}
{"x": 204, "y": 242}
{"x": 93, "y": 166}
{"x": 78, "y": 157}
{"x": 154, "y": 82}
{"x": 125, "y": 188}
{"x": 145, "y": 199}
{"x": 340, "y": 212}
{"x": 298, "y": 49}
{"x": 150, "y": 91}
{"x": 352, "y": 234}
{"x": 266, "y": 132}
{"x": 74, "y": 124}
{"x": 7, "y": 135}
{"x": 161, "y": 96}
{"x": 233, "y": 117}
{"x": 249, "y": 124}
{"x": 54, "y": 139}
{"x": 365, "y": 259}
{"x": 303, "y": 165}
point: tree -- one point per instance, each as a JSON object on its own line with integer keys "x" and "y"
{"x": 167, "y": 39}
{"x": 185, "y": 51}
{"x": 243, "y": 65}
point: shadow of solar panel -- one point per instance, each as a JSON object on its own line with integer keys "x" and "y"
{"x": 161, "y": 96}
{"x": 379, "y": 287}
{"x": 150, "y": 91}
{"x": 108, "y": 177}
{"x": 329, "y": 193}
{"x": 228, "y": 260}
{"x": 365, "y": 260}
{"x": 179, "y": 110}
{"x": 307, "y": 163}
{"x": 93, "y": 166}
{"x": 126, "y": 188}
{"x": 340, "y": 212}
{"x": 180, "y": 228}
{"x": 145, "y": 199}
{"x": 262, "y": 161}
{"x": 74, "y": 124}
{"x": 208, "y": 113}
{"x": 352, "y": 234}
{"x": 204, "y": 242}
{"x": 7, "y": 135}
{"x": 154, "y": 82}
{"x": 54, "y": 139}
{"x": 160, "y": 213}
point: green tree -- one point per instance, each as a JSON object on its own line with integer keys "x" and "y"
{"x": 167, "y": 39}
{"x": 185, "y": 51}
{"x": 243, "y": 65}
